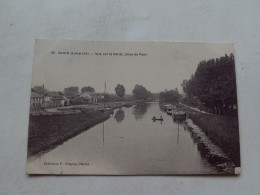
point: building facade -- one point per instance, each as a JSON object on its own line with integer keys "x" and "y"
{"x": 36, "y": 101}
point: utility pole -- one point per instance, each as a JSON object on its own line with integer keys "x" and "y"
{"x": 104, "y": 94}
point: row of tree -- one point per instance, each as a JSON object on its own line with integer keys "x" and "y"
{"x": 69, "y": 91}
{"x": 74, "y": 90}
{"x": 139, "y": 91}
{"x": 213, "y": 84}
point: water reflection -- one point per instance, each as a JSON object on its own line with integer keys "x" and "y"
{"x": 158, "y": 121}
{"x": 207, "y": 153}
{"x": 179, "y": 121}
{"x": 178, "y": 135}
{"x": 140, "y": 109}
{"x": 161, "y": 106}
{"x": 103, "y": 132}
{"x": 122, "y": 144}
{"x": 193, "y": 135}
{"x": 119, "y": 116}
{"x": 180, "y": 124}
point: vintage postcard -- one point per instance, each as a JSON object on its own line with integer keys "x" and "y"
{"x": 133, "y": 108}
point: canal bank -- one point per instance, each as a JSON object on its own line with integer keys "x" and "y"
{"x": 48, "y": 131}
{"x": 221, "y": 130}
{"x": 131, "y": 143}
{"x": 209, "y": 151}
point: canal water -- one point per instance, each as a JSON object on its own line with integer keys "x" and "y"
{"x": 130, "y": 143}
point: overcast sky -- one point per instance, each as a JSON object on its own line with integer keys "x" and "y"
{"x": 164, "y": 66}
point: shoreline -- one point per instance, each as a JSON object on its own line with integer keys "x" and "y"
{"x": 221, "y": 130}
{"x": 209, "y": 151}
{"x": 72, "y": 109}
{"x": 48, "y": 131}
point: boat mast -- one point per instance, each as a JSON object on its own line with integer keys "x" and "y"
{"x": 103, "y": 133}
{"x": 104, "y": 94}
{"x": 178, "y": 135}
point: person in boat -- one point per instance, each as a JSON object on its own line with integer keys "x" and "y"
{"x": 154, "y": 118}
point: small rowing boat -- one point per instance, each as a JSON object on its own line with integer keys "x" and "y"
{"x": 158, "y": 119}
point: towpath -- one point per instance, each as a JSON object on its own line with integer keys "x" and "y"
{"x": 196, "y": 109}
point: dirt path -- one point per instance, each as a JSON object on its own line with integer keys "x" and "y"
{"x": 196, "y": 109}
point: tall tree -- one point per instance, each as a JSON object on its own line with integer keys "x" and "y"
{"x": 141, "y": 93}
{"x": 120, "y": 90}
{"x": 39, "y": 89}
{"x": 71, "y": 91}
{"x": 87, "y": 89}
{"x": 170, "y": 96}
{"x": 213, "y": 83}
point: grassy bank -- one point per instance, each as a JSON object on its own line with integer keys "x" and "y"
{"x": 48, "y": 131}
{"x": 222, "y": 130}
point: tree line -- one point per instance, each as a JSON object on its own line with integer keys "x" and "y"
{"x": 69, "y": 91}
{"x": 139, "y": 92}
{"x": 213, "y": 86}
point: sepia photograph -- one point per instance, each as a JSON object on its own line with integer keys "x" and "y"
{"x": 133, "y": 108}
